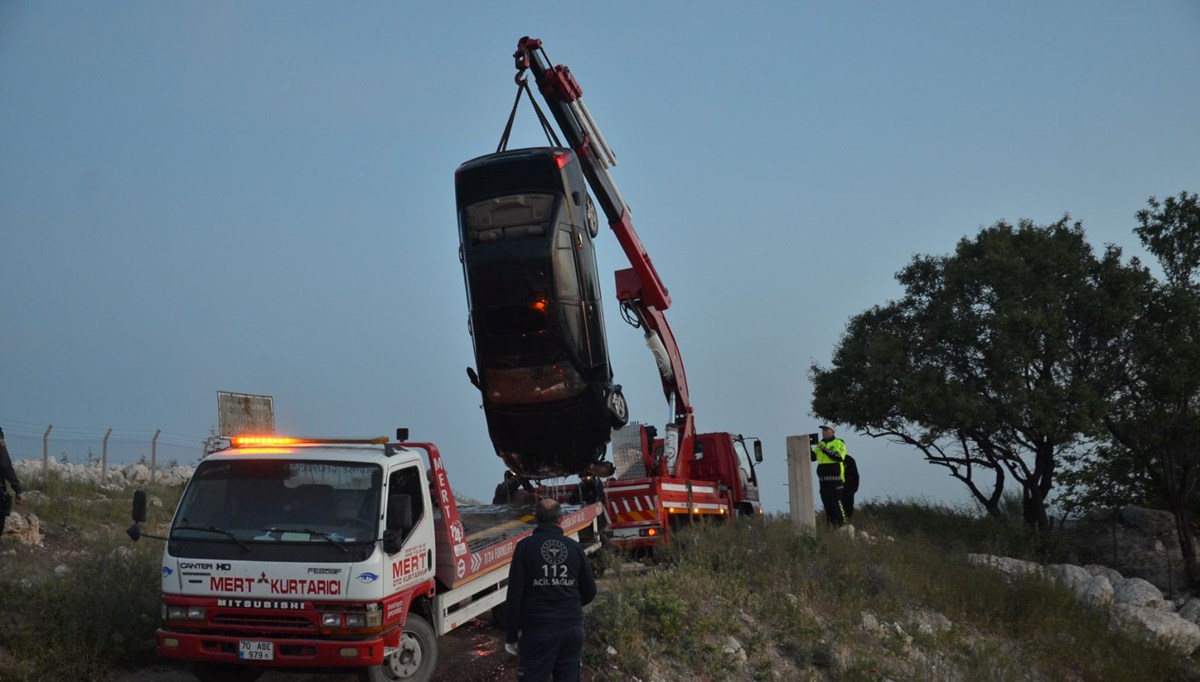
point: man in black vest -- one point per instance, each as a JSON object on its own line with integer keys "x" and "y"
{"x": 549, "y": 582}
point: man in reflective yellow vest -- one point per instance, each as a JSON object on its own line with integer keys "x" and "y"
{"x": 830, "y": 456}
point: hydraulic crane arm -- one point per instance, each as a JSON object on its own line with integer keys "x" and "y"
{"x": 643, "y": 295}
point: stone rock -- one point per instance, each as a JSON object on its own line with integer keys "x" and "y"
{"x": 138, "y": 473}
{"x": 1094, "y": 589}
{"x": 1136, "y": 542}
{"x": 869, "y": 622}
{"x": 1011, "y": 568}
{"x": 1150, "y": 521}
{"x": 734, "y": 648}
{"x": 929, "y": 622}
{"x": 1138, "y": 592}
{"x": 1168, "y": 628}
{"x": 847, "y": 529}
{"x": 61, "y": 570}
{"x": 1190, "y": 611}
{"x": 23, "y": 528}
{"x": 1067, "y": 575}
{"x": 1111, "y": 574}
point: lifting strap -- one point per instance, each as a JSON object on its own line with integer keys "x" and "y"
{"x": 523, "y": 86}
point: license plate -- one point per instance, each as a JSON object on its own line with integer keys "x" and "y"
{"x": 256, "y": 651}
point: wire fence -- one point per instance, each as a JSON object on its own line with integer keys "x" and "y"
{"x": 105, "y": 447}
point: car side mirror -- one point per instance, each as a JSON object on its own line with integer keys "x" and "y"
{"x": 758, "y": 451}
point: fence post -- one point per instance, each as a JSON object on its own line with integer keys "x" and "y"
{"x": 46, "y": 454}
{"x": 800, "y": 490}
{"x": 104, "y": 458}
{"x": 154, "y": 454}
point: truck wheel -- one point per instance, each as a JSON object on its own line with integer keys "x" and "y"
{"x": 221, "y": 672}
{"x": 414, "y": 661}
{"x": 618, "y": 409}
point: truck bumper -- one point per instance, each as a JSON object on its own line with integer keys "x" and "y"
{"x": 289, "y": 652}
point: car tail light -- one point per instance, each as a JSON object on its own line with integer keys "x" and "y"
{"x": 528, "y": 385}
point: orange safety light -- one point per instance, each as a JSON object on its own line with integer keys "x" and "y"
{"x": 651, "y": 532}
{"x": 242, "y": 441}
{"x": 540, "y": 306}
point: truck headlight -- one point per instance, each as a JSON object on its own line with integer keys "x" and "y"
{"x": 184, "y": 612}
{"x": 356, "y": 620}
{"x": 331, "y": 620}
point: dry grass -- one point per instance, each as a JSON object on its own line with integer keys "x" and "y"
{"x": 826, "y": 607}
{"x": 86, "y": 602}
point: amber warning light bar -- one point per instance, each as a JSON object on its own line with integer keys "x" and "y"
{"x": 249, "y": 441}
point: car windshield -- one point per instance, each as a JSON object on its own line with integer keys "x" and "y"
{"x": 255, "y": 501}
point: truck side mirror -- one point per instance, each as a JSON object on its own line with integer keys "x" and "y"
{"x": 139, "y": 515}
{"x": 758, "y": 451}
{"x": 139, "y": 506}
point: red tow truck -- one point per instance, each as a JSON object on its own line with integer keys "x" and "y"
{"x": 331, "y": 555}
{"x": 660, "y": 483}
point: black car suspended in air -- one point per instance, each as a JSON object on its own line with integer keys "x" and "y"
{"x": 526, "y": 224}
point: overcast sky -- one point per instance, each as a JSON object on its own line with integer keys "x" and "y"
{"x": 258, "y": 197}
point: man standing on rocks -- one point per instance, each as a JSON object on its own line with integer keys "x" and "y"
{"x": 7, "y": 476}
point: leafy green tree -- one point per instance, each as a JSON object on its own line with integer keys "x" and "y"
{"x": 988, "y": 363}
{"x": 1156, "y": 420}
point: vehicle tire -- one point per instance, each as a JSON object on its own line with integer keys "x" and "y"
{"x": 590, "y": 218}
{"x": 618, "y": 409}
{"x": 414, "y": 661}
{"x": 223, "y": 672}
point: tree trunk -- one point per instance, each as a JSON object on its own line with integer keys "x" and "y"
{"x": 1187, "y": 545}
{"x": 1037, "y": 487}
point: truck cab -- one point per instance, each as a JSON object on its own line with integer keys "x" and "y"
{"x": 331, "y": 555}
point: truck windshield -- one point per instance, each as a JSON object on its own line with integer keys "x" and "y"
{"x": 262, "y": 502}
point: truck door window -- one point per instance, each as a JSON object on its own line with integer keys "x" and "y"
{"x": 406, "y": 481}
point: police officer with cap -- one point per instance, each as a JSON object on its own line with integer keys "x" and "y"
{"x": 549, "y": 582}
{"x": 830, "y": 455}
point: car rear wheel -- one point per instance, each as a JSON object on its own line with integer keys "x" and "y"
{"x": 618, "y": 409}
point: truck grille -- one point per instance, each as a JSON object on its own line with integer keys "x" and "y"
{"x": 240, "y": 621}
